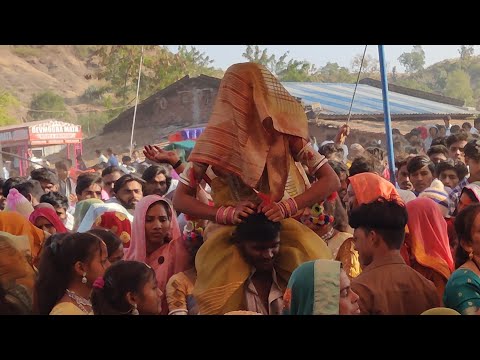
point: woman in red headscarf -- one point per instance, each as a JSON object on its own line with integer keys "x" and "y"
{"x": 47, "y": 219}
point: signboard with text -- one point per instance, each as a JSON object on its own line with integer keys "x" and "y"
{"x": 54, "y": 132}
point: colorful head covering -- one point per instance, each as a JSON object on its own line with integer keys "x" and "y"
{"x": 81, "y": 210}
{"x": 117, "y": 223}
{"x": 51, "y": 216}
{"x": 13, "y": 223}
{"x": 169, "y": 259}
{"x": 429, "y": 236}
{"x": 437, "y": 193}
{"x": 235, "y": 139}
{"x": 369, "y": 187}
{"x": 19, "y": 203}
{"x": 474, "y": 187}
{"x": 17, "y": 276}
{"x": 314, "y": 289}
{"x": 96, "y": 210}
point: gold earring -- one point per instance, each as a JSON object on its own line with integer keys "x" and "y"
{"x": 470, "y": 256}
{"x": 84, "y": 278}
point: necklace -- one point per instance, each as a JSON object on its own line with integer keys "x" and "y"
{"x": 328, "y": 235}
{"x": 81, "y": 302}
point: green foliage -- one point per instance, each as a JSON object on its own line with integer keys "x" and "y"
{"x": 8, "y": 102}
{"x": 160, "y": 68}
{"x": 466, "y": 51}
{"x": 414, "y": 60}
{"x": 26, "y": 51}
{"x": 94, "y": 94}
{"x": 458, "y": 86}
{"x": 93, "y": 122}
{"x": 46, "y": 105}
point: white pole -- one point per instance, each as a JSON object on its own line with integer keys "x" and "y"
{"x": 136, "y": 102}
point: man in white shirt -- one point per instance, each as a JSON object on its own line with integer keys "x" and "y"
{"x": 446, "y": 120}
{"x": 101, "y": 158}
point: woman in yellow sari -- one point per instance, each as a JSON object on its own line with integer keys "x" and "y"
{"x": 256, "y": 136}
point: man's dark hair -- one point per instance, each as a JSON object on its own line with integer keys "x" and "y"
{"x": 152, "y": 171}
{"x": 386, "y": 217}
{"x": 452, "y": 139}
{"x": 109, "y": 150}
{"x": 376, "y": 152}
{"x": 60, "y": 165}
{"x": 330, "y": 149}
{"x": 126, "y": 158}
{"x": 467, "y": 124}
{"x": 126, "y": 179}
{"x": 419, "y": 162}
{"x": 86, "y": 180}
{"x": 460, "y": 168}
{"x": 44, "y": 175}
{"x": 338, "y": 167}
{"x": 98, "y": 152}
{"x": 256, "y": 227}
{"x": 363, "y": 164}
{"x": 439, "y": 141}
{"x": 30, "y": 187}
{"x": 110, "y": 170}
{"x": 11, "y": 183}
{"x": 55, "y": 199}
{"x": 438, "y": 149}
{"x": 472, "y": 150}
{"x": 455, "y": 130}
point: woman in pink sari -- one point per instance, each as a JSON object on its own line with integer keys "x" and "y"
{"x": 157, "y": 241}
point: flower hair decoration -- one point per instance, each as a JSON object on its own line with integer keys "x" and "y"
{"x": 99, "y": 283}
{"x": 317, "y": 214}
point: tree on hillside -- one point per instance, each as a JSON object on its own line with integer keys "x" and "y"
{"x": 47, "y": 105}
{"x": 413, "y": 61}
{"x": 296, "y": 70}
{"x": 332, "y": 72}
{"x": 466, "y": 51}
{"x": 256, "y": 55}
{"x": 161, "y": 67}
{"x": 370, "y": 67}
{"x": 8, "y": 102}
{"x": 458, "y": 86}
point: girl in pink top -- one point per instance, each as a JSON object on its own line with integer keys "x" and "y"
{"x": 157, "y": 241}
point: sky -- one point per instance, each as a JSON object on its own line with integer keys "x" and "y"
{"x": 226, "y": 55}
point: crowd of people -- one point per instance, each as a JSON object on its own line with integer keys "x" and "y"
{"x": 260, "y": 220}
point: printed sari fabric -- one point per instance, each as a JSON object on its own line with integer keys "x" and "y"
{"x": 462, "y": 292}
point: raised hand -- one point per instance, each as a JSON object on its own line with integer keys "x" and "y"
{"x": 154, "y": 153}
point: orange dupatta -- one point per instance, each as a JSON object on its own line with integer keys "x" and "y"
{"x": 15, "y": 224}
{"x": 429, "y": 236}
{"x": 369, "y": 187}
{"x": 236, "y": 140}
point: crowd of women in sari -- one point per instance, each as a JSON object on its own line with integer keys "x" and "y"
{"x": 256, "y": 157}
